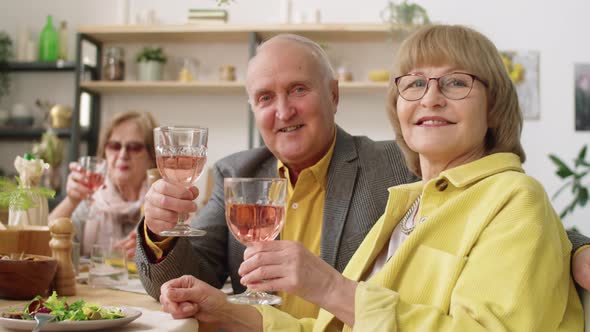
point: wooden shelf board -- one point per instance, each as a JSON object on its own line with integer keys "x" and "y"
{"x": 162, "y": 87}
{"x": 232, "y": 32}
{"x": 175, "y": 87}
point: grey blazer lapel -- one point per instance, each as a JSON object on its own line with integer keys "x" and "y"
{"x": 342, "y": 175}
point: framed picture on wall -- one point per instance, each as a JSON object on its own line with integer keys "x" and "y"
{"x": 582, "y": 95}
{"x": 523, "y": 68}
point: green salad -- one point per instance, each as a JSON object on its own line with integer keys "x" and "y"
{"x": 63, "y": 311}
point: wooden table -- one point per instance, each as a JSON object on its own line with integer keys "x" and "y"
{"x": 104, "y": 296}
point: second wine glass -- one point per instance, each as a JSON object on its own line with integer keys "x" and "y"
{"x": 181, "y": 154}
{"x": 255, "y": 211}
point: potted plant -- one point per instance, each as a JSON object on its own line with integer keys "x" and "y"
{"x": 150, "y": 61}
{"x": 573, "y": 177}
{"x": 404, "y": 13}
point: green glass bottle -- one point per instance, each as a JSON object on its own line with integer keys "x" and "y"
{"x": 48, "y": 42}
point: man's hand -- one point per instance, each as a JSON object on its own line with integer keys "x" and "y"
{"x": 188, "y": 296}
{"x": 164, "y": 201}
{"x": 581, "y": 268}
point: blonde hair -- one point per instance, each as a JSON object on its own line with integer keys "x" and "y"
{"x": 465, "y": 48}
{"x": 146, "y": 123}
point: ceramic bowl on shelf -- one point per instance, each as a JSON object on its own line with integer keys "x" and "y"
{"x": 25, "y": 276}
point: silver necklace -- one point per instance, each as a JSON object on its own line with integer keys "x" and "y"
{"x": 407, "y": 222}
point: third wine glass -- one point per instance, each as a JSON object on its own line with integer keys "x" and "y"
{"x": 94, "y": 170}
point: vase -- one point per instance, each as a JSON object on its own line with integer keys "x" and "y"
{"x": 35, "y": 216}
{"x": 150, "y": 71}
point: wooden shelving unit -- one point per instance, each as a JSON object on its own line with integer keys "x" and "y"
{"x": 250, "y": 35}
{"x": 206, "y": 33}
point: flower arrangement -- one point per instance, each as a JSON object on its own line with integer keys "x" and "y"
{"x": 50, "y": 149}
{"x": 20, "y": 196}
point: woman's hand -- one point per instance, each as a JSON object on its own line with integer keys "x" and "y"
{"x": 128, "y": 243}
{"x": 76, "y": 190}
{"x": 164, "y": 201}
{"x": 287, "y": 266}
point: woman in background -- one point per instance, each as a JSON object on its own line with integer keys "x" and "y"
{"x": 127, "y": 144}
{"x": 474, "y": 246}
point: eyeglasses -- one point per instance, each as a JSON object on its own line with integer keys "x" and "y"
{"x": 116, "y": 146}
{"x": 454, "y": 86}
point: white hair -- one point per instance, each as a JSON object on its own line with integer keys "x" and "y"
{"x": 317, "y": 52}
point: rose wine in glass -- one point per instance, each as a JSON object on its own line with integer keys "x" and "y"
{"x": 181, "y": 154}
{"x": 94, "y": 170}
{"x": 255, "y": 211}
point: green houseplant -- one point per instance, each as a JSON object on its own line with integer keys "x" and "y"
{"x": 573, "y": 177}
{"x": 150, "y": 61}
{"x": 405, "y": 13}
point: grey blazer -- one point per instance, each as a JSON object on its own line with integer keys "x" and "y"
{"x": 359, "y": 174}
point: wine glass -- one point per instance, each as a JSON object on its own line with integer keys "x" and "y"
{"x": 93, "y": 170}
{"x": 181, "y": 154}
{"x": 255, "y": 211}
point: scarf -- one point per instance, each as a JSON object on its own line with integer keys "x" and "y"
{"x": 110, "y": 217}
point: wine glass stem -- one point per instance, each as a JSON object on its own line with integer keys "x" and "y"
{"x": 182, "y": 217}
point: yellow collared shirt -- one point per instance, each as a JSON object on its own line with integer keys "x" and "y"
{"x": 305, "y": 211}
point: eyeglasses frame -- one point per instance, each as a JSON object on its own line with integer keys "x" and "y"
{"x": 473, "y": 77}
{"x": 124, "y": 146}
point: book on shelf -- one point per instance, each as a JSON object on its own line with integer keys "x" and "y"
{"x": 220, "y": 14}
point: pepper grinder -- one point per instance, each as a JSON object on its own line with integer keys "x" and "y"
{"x": 62, "y": 231}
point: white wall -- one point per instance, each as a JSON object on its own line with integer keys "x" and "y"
{"x": 555, "y": 30}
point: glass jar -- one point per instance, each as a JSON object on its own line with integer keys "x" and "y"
{"x": 113, "y": 68}
{"x": 227, "y": 73}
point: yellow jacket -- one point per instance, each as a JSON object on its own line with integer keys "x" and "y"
{"x": 491, "y": 255}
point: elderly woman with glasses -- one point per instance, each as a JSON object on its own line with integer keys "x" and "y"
{"x": 474, "y": 246}
{"x": 127, "y": 144}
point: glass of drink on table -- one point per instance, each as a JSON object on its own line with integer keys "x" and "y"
{"x": 93, "y": 170}
{"x": 181, "y": 154}
{"x": 255, "y": 211}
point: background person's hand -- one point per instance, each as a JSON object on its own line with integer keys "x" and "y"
{"x": 76, "y": 190}
{"x": 164, "y": 201}
{"x": 128, "y": 243}
{"x": 188, "y": 296}
{"x": 581, "y": 268}
{"x": 287, "y": 266}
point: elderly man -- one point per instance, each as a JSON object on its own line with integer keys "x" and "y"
{"x": 337, "y": 182}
